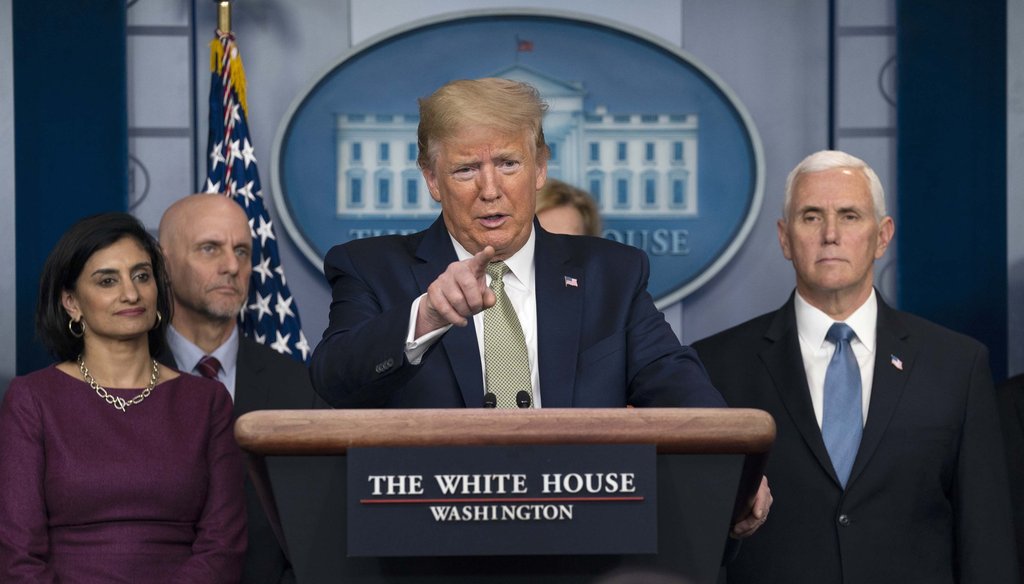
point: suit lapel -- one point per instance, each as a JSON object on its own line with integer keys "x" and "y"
{"x": 786, "y": 366}
{"x": 459, "y": 343}
{"x": 888, "y": 382}
{"x": 559, "y": 316}
{"x": 252, "y": 392}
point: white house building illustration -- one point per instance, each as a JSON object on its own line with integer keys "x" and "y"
{"x": 636, "y": 165}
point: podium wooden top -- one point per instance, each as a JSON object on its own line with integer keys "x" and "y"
{"x": 673, "y": 430}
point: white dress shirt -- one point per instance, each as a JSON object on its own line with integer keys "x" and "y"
{"x": 519, "y": 286}
{"x": 812, "y": 325}
{"x": 187, "y": 355}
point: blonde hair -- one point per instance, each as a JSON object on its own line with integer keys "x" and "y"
{"x": 556, "y": 193}
{"x": 510, "y": 107}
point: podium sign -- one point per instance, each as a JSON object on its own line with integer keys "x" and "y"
{"x": 709, "y": 464}
{"x": 502, "y": 500}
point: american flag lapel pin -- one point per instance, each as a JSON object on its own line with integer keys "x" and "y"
{"x": 896, "y": 362}
{"x": 570, "y": 281}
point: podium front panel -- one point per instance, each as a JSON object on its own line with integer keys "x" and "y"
{"x": 696, "y": 494}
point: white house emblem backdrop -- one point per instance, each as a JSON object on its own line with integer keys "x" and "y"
{"x": 670, "y": 155}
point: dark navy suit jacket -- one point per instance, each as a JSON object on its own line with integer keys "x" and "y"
{"x": 601, "y": 342}
{"x": 927, "y": 501}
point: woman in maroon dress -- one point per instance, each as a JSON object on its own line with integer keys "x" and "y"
{"x": 114, "y": 468}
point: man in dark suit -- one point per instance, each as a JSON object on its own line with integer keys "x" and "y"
{"x": 572, "y": 323}
{"x": 601, "y": 342}
{"x": 888, "y": 464}
{"x": 208, "y": 246}
{"x": 408, "y": 310}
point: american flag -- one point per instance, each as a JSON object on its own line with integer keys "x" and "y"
{"x": 270, "y": 316}
{"x": 896, "y": 362}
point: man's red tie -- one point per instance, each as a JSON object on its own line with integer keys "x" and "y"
{"x": 208, "y": 367}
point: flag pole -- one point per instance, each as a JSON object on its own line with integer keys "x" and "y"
{"x": 223, "y": 15}
{"x": 270, "y": 316}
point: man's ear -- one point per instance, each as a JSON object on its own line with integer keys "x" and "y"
{"x": 431, "y": 178}
{"x": 886, "y": 230}
{"x": 784, "y": 239}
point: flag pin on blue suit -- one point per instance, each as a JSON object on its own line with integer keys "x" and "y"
{"x": 570, "y": 281}
{"x": 896, "y": 362}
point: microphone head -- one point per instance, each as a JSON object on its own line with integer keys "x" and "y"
{"x": 523, "y": 399}
{"x": 490, "y": 400}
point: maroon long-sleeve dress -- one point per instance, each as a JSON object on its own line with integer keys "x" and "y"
{"x": 91, "y": 494}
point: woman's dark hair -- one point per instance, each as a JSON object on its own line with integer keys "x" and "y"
{"x": 66, "y": 262}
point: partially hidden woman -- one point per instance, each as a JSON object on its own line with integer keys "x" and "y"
{"x": 114, "y": 468}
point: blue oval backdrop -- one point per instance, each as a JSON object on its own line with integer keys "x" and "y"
{"x": 666, "y": 149}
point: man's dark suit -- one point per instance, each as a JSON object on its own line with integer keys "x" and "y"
{"x": 1011, "y": 410}
{"x": 600, "y": 340}
{"x": 927, "y": 499}
{"x": 265, "y": 380}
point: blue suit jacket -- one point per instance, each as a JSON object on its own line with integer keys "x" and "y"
{"x": 601, "y": 342}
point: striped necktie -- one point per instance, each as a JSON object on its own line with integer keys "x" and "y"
{"x": 208, "y": 367}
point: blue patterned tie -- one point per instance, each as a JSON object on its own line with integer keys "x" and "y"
{"x": 842, "y": 422}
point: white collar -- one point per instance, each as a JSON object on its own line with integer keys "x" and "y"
{"x": 812, "y": 324}
{"x": 187, "y": 354}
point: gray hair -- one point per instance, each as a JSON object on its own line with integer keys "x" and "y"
{"x": 832, "y": 159}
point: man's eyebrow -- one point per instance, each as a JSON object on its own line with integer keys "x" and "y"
{"x": 510, "y": 152}
{"x": 210, "y": 239}
{"x": 463, "y": 161}
{"x": 809, "y": 209}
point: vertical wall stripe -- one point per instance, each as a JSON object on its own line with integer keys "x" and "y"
{"x": 8, "y": 249}
{"x": 832, "y": 81}
{"x": 1015, "y": 183}
{"x": 952, "y": 167}
{"x": 71, "y": 128}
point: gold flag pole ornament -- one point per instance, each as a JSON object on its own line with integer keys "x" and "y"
{"x": 219, "y": 49}
{"x": 223, "y": 15}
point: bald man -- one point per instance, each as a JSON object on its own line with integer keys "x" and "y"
{"x": 208, "y": 246}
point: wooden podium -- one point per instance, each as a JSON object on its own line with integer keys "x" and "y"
{"x": 709, "y": 465}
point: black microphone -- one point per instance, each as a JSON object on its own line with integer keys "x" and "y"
{"x": 490, "y": 400}
{"x": 523, "y": 399}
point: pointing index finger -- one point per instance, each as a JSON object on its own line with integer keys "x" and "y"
{"x": 478, "y": 263}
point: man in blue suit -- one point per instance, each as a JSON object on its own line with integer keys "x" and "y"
{"x": 407, "y": 317}
{"x": 409, "y": 313}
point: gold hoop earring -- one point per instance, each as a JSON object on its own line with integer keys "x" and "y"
{"x": 77, "y": 334}
{"x": 159, "y": 319}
